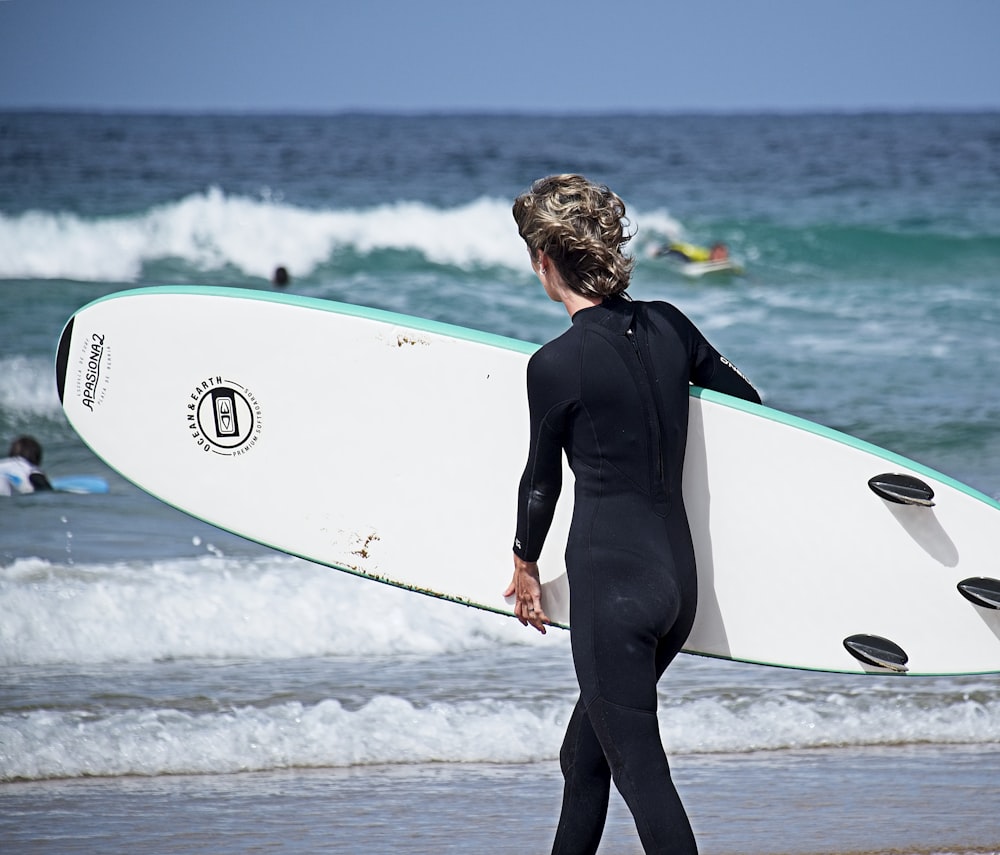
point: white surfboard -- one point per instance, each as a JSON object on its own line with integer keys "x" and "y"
{"x": 698, "y": 269}
{"x": 391, "y": 447}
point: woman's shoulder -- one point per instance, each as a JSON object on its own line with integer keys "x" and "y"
{"x": 658, "y": 307}
{"x": 554, "y": 355}
{"x": 663, "y": 315}
{"x": 566, "y": 340}
{"x": 661, "y": 310}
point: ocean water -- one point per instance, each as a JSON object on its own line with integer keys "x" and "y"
{"x": 167, "y": 687}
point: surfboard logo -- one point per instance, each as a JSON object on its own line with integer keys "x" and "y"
{"x": 93, "y": 369}
{"x": 224, "y": 417}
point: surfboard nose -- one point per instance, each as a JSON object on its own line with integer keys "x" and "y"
{"x": 62, "y": 357}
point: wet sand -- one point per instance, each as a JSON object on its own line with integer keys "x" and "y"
{"x": 905, "y": 801}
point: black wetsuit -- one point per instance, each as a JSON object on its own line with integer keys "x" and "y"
{"x": 613, "y": 392}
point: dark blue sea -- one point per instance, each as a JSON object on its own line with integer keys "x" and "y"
{"x": 166, "y": 687}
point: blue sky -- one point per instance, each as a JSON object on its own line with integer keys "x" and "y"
{"x": 525, "y": 55}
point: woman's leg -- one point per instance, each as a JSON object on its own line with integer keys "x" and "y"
{"x": 637, "y": 623}
{"x": 586, "y": 788}
{"x": 631, "y": 740}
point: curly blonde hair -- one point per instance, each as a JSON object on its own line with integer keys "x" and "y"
{"x": 582, "y": 228}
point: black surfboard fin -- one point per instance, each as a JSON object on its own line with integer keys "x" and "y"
{"x": 902, "y": 489}
{"x": 982, "y": 591}
{"x": 877, "y": 651}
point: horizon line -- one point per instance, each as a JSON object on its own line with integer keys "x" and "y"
{"x": 480, "y": 112}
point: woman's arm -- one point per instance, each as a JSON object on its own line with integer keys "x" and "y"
{"x": 541, "y": 481}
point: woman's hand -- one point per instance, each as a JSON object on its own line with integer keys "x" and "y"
{"x": 527, "y": 591}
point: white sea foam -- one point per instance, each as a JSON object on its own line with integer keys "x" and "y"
{"x": 213, "y": 230}
{"x": 274, "y": 607}
{"x": 385, "y": 730}
{"x": 28, "y": 386}
{"x": 388, "y": 730}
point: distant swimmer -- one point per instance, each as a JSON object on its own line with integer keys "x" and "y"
{"x": 688, "y": 252}
{"x": 19, "y": 473}
{"x": 281, "y": 277}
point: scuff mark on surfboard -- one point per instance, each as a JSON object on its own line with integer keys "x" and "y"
{"x": 401, "y": 337}
{"x": 351, "y": 549}
{"x": 407, "y": 338}
{"x": 362, "y": 550}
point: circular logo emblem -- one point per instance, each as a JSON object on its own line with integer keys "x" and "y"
{"x": 224, "y": 417}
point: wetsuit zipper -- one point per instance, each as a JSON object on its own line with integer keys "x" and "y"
{"x": 652, "y": 416}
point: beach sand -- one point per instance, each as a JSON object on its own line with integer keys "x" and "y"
{"x": 821, "y": 802}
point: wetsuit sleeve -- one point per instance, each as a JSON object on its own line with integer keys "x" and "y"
{"x": 39, "y": 482}
{"x": 714, "y": 371}
{"x": 711, "y": 370}
{"x": 541, "y": 480}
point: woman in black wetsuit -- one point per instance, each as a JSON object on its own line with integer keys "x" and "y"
{"x": 612, "y": 392}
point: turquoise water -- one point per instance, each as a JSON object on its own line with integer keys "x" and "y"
{"x": 139, "y": 648}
